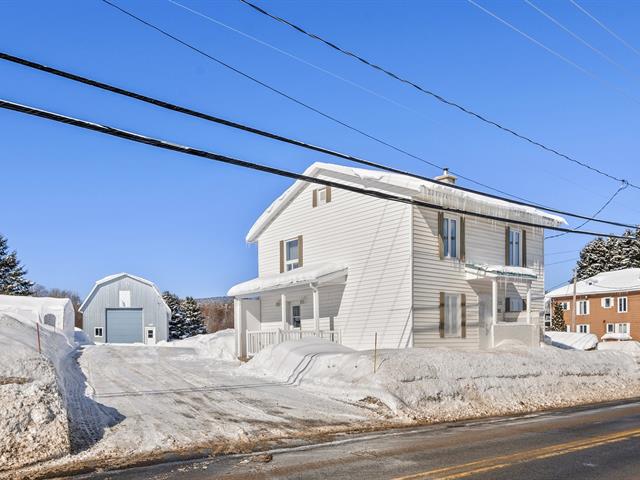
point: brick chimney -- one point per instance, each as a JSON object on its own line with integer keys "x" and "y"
{"x": 446, "y": 177}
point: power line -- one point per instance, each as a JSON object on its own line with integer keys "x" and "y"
{"x": 607, "y": 29}
{"x": 615, "y": 194}
{"x": 554, "y": 52}
{"x": 438, "y": 97}
{"x": 549, "y": 254}
{"x": 561, "y": 262}
{"x": 303, "y": 104}
{"x": 273, "y": 136}
{"x": 166, "y": 145}
{"x": 579, "y": 38}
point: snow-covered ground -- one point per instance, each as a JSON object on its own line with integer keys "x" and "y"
{"x": 572, "y": 340}
{"x": 33, "y": 420}
{"x": 131, "y": 403}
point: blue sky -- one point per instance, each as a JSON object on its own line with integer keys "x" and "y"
{"x": 68, "y": 194}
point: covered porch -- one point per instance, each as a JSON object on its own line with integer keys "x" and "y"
{"x": 300, "y": 303}
{"x": 505, "y": 304}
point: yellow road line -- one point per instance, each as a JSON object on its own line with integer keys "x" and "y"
{"x": 503, "y": 461}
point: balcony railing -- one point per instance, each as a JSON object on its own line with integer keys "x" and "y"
{"x": 259, "y": 339}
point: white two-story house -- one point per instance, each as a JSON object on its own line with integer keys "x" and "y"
{"x": 354, "y": 268}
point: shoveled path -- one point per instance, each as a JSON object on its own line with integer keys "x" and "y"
{"x": 585, "y": 442}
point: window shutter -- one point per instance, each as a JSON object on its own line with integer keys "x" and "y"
{"x": 281, "y": 256}
{"x": 441, "y": 235}
{"x": 524, "y": 247}
{"x": 507, "y": 234}
{"x": 441, "y": 327}
{"x": 314, "y": 198}
{"x": 300, "y": 250}
{"x": 463, "y": 314}
{"x": 462, "y": 240}
{"x": 328, "y": 194}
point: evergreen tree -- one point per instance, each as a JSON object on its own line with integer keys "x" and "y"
{"x": 177, "y": 323}
{"x": 601, "y": 255}
{"x": 193, "y": 318}
{"x": 557, "y": 318}
{"x": 12, "y": 273}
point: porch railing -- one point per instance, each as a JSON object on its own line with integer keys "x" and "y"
{"x": 259, "y": 339}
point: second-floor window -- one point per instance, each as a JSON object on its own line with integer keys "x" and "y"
{"x": 607, "y": 302}
{"x": 565, "y": 306}
{"x": 622, "y": 304}
{"x": 515, "y": 248}
{"x": 583, "y": 307}
{"x": 291, "y": 254}
{"x": 450, "y": 237}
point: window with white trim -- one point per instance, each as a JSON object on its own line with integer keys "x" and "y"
{"x": 583, "y": 307}
{"x": 515, "y": 247}
{"x": 515, "y": 304}
{"x": 452, "y": 316}
{"x": 450, "y": 237}
{"x": 291, "y": 254}
{"x": 565, "y": 306}
{"x": 583, "y": 328}
{"x": 622, "y": 305}
{"x": 611, "y": 328}
{"x": 619, "y": 328}
{"x": 607, "y": 302}
{"x": 124, "y": 299}
{"x": 296, "y": 315}
{"x": 97, "y": 332}
{"x": 322, "y": 195}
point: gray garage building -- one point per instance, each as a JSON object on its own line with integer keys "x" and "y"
{"x": 123, "y": 308}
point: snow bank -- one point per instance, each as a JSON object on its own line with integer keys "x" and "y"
{"x": 572, "y": 341}
{"x": 616, "y": 336}
{"x": 630, "y": 347}
{"x": 219, "y": 345}
{"x": 441, "y": 385}
{"x": 33, "y": 419}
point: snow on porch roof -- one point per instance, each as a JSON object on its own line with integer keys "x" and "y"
{"x": 405, "y": 186}
{"x": 501, "y": 271}
{"x": 292, "y": 278}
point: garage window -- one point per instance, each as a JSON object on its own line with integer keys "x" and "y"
{"x": 97, "y": 332}
{"x": 124, "y": 298}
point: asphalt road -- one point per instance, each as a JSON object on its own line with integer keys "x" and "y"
{"x": 580, "y": 443}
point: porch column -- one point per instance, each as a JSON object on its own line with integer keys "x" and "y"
{"x": 316, "y": 309}
{"x": 529, "y": 303}
{"x": 283, "y": 311}
{"x": 494, "y": 309}
{"x": 241, "y": 328}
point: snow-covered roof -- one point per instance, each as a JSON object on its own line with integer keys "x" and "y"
{"x": 299, "y": 276}
{"x": 34, "y": 302}
{"x": 408, "y": 187}
{"x": 501, "y": 270}
{"x": 626, "y": 280}
{"x": 111, "y": 278}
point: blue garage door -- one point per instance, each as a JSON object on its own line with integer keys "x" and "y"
{"x": 124, "y": 325}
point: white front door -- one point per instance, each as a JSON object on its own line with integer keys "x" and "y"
{"x": 150, "y": 335}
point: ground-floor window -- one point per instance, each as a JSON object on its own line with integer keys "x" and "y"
{"x": 97, "y": 332}
{"x": 452, "y": 315}
{"x": 583, "y": 328}
{"x": 618, "y": 328}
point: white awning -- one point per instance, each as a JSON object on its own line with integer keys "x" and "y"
{"x": 316, "y": 274}
{"x": 475, "y": 272}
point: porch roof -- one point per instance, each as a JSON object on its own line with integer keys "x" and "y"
{"x": 475, "y": 271}
{"x": 318, "y": 274}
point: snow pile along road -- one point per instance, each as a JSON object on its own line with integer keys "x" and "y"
{"x": 630, "y": 347}
{"x": 571, "y": 341}
{"x": 33, "y": 419}
{"x": 442, "y": 385}
{"x": 218, "y": 346}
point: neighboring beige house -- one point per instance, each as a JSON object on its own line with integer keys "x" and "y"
{"x": 348, "y": 266}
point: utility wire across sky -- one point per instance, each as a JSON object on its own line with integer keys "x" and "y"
{"x": 166, "y": 145}
{"x": 437, "y": 96}
{"x": 273, "y": 136}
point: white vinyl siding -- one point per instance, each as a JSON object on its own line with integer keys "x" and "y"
{"x": 583, "y": 307}
{"x": 373, "y": 238}
{"x": 484, "y": 244}
{"x": 622, "y": 305}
